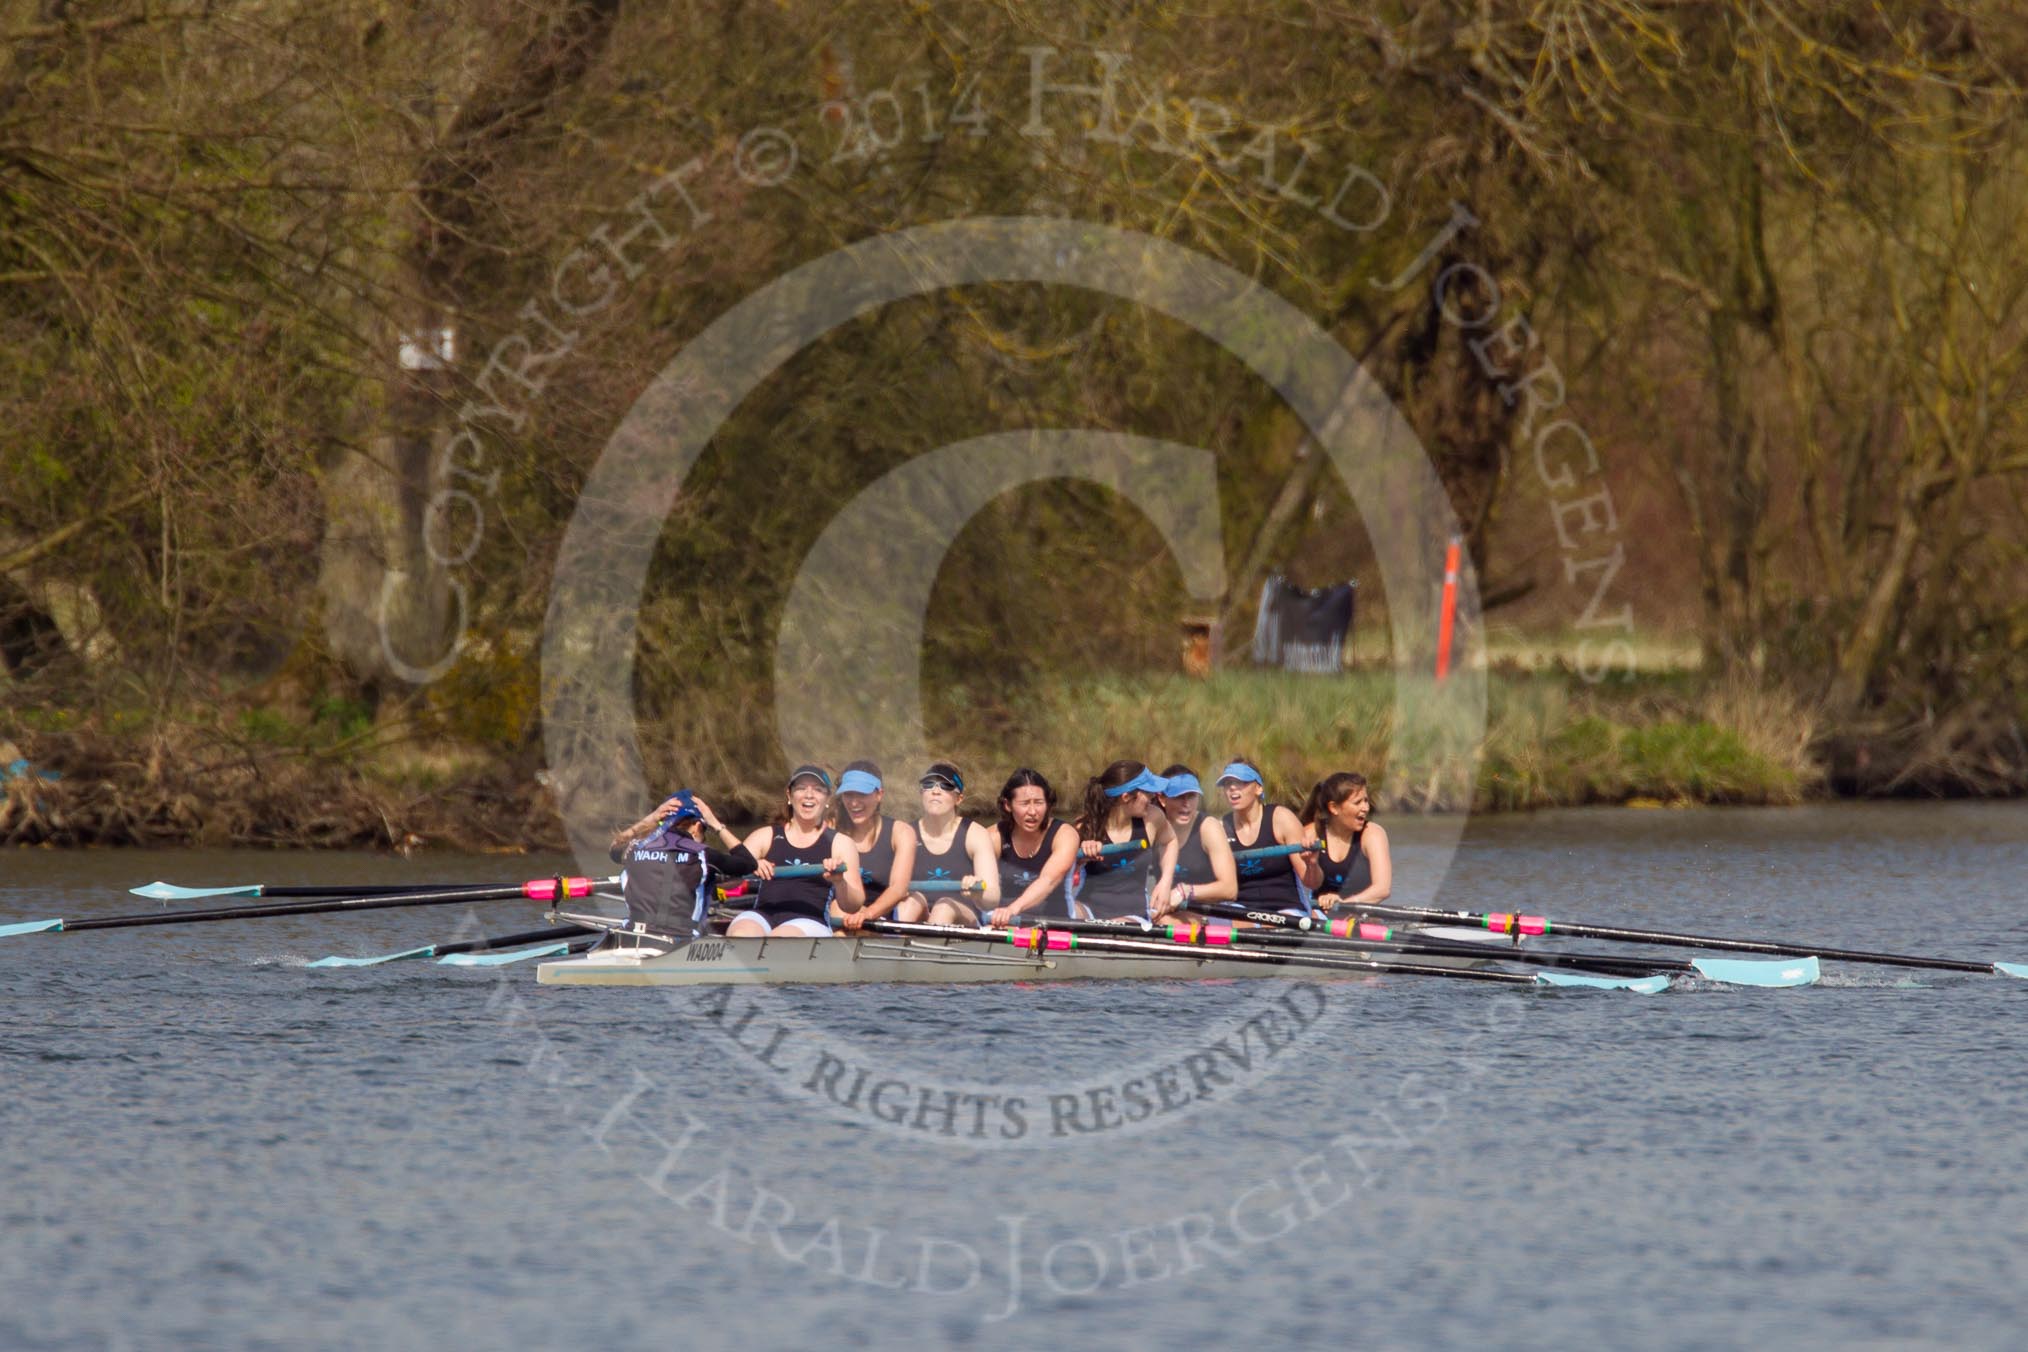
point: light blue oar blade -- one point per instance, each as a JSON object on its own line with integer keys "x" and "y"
{"x": 426, "y": 951}
{"x": 502, "y": 959}
{"x": 1737, "y": 972}
{"x": 171, "y": 892}
{"x": 2019, "y": 969}
{"x": 1640, "y": 985}
{"x": 30, "y": 927}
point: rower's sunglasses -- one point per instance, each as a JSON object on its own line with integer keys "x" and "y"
{"x": 939, "y": 782}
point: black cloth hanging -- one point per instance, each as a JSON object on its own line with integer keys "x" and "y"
{"x": 1302, "y": 629}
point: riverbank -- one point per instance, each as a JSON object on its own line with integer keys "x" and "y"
{"x": 1552, "y": 740}
{"x": 255, "y": 778}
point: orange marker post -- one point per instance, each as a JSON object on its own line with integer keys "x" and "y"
{"x": 1447, "y": 611}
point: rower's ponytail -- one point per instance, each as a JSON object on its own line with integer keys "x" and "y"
{"x": 1331, "y": 789}
{"x": 1091, "y": 819}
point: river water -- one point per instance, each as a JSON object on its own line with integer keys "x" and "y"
{"x": 207, "y": 1145}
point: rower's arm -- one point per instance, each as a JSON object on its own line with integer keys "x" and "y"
{"x": 629, "y": 834}
{"x": 897, "y": 877}
{"x": 847, "y": 885}
{"x": 736, "y": 862}
{"x": 986, "y": 866}
{"x": 1166, "y": 843}
{"x": 1224, "y": 884}
{"x": 1289, "y": 830}
{"x": 1062, "y": 859}
{"x": 757, "y": 845}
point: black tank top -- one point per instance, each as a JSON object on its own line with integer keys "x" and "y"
{"x": 1018, "y": 873}
{"x": 1264, "y": 884}
{"x": 664, "y": 884}
{"x": 786, "y": 898}
{"x": 876, "y": 861}
{"x": 1346, "y": 877}
{"x": 1193, "y": 865}
{"x": 932, "y": 866}
{"x": 1117, "y": 885}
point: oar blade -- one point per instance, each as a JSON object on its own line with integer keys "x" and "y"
{"x": 2015, "y": 969}
{"x": 171, "y": 892}
{"x": 1640, "y": 985}
{"x": 1742, "y": 972}
{"x": 502, "y": 959}
{"x": 30, "y": 927}
{"x": 426, "y": 951}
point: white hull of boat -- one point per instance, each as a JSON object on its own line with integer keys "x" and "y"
{"x": 791, "y": 960}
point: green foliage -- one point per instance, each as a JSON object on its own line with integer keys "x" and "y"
{"x": 269, "y": 726}
{"x": 342, "y": 718}
{"x": 1549, "y": 748}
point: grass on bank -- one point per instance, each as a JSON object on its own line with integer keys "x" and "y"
{"x": 1550, "y": 740}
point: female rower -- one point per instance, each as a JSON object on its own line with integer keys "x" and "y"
{"x": 669, "y": 873}
{"x": 1204, "y": 867}
{"x": 1037, "y": 852}
{"x": 799, "y": 905}
{"x": 950, "y": 849}
{"x": 886, "y": 850}
{"x": 1119, "y": 806}
{"x": 1356, "y": 863}
{"x": 1268, "y": 884}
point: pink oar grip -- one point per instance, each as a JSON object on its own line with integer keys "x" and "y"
{"x": 544, "y": 889}
{"x": 1038, "y": 939}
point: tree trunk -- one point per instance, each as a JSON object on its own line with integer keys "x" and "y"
{"x": 391, "y": 608}
{"x": 1861, "y": 653}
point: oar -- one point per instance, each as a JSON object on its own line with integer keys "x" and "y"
{"x": 1049, "y": 937}
{"x": 1502, "y": 923}
{"x": 171, "y": 892}
{"x": 539, "y": 889}
{"x": 920, "y": 885}
{"x": 503, "y": 959}
{"x": 441, "y": 951}
{"x": 1276, "y": 851}
{"x": 1336, "y": 933}
{"x": 1374, "y": 938}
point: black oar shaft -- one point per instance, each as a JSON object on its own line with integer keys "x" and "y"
{"x": 1666, "y": 939}
{"x": 1607, "y": 963}
{"x": 364, "y": 890}
{"x": 541, "y": 936}
{"x": 510, "y": 892}
{"x": 1281, "y": 931}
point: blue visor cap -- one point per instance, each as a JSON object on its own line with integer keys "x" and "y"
{"x": 815, "y": 772}
{"x": 1177, "y": 785}
{"x": 1245, "y": 774}
{"x": 1153, "y": 783}
{"x": 858, "y": 781}
{"x": 684, "y": 807}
